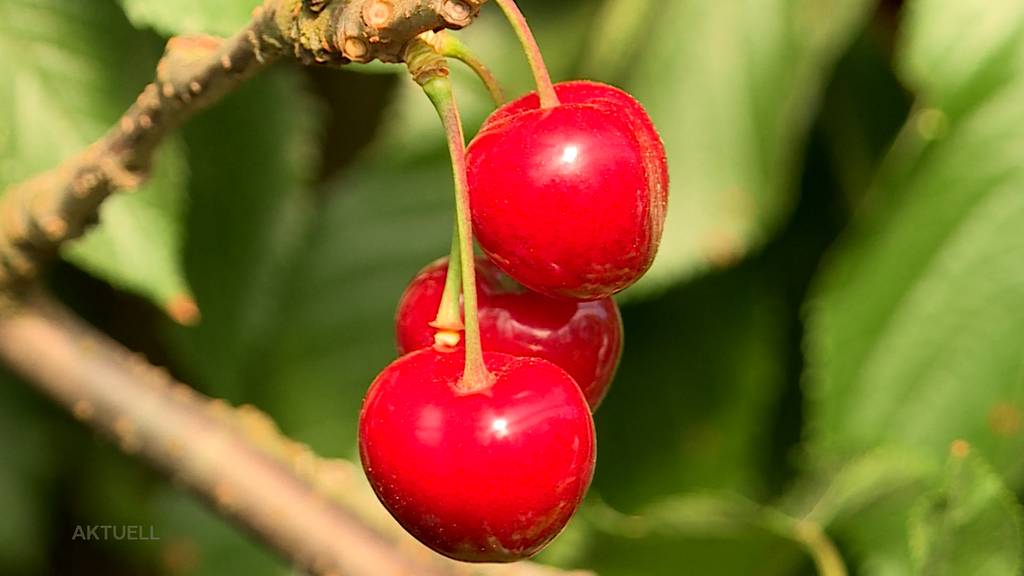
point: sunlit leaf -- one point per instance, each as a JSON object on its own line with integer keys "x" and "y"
{"x": 972, "y": 525}
{"x": 335, "y": 331}
{"x": 916, "y": 330}
{"x": 79, "y": 65}
{"x": 248, "y": 215}
{"x": 701, "y": 534}
{"x": 172, "y": 17}
{"x": 733, "y": 88}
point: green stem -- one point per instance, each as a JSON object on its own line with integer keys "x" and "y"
{"x": 451, "y": 47}
{"x": 545, "y": 89}
{"x": 812, "y": 537}
{"x": 439, "y": 90}
{"x": 449, "y": 313}
{"x": 826, "y": 557}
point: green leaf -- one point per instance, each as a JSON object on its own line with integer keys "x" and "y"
{"x": 699, "y": 534}
{"x": 710, "y": 407}
{"x": 173, "y": 17}
{"x": 335, "y": 330}
{"x": 839, "y": 496}
{"x": 865, "y": 505}
{"x": 26, "y": 479}
{"x": 916, "y": 328}
{"x": 953, "y": 67}
{"x": 79, "y": 65}
{"x": 972, "y": 525}
{"x": 863, "y": 110}
{"x": 732, "y": 87}
{"x": 876, "y": 537}
{"x": 250, "y": 157}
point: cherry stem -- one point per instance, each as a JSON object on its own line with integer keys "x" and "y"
{"x": 545, "y": 89}
{"x": 439, "y": 89}
{"x": 449, "y": 313}
{"x": 451, "y": 47}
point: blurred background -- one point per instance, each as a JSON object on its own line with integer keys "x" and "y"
{"x": 839, "y": 294}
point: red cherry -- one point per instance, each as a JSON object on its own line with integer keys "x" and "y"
{"x": 570, "y": 201}
{"x": 582, "y": 338}
{"x": 487, "y": 476}
{"x": 583, "y": 91}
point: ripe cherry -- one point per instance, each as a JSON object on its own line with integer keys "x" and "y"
{"x": 582, "y": 338}
{"x": 571, "y": 200}
{"x": 485, "y": 476}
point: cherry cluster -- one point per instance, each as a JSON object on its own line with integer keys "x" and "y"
{"x": 480, "y": 439}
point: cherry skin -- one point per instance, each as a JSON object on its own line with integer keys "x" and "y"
{"x": 582, "y": 338}
{"x": 583, "y": 91}
{"x": 485, "y": 476}
{"x": 570, "y": 201}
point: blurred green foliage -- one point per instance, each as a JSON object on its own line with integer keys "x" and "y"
{"x": 838, "y": 298}
{"x": 971, "y": 525}
{"x": 72, "y": 69}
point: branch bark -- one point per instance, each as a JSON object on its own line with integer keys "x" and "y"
{"x": 317, "y": 513}
{"x": 37, "y": 216}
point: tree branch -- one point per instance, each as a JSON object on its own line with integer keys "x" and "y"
{"x": 317, "y": 513}
{"x": 51, "y": 208}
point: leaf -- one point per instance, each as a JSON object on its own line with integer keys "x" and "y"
{"x": 916, "y": 327}
{"x": 863, "y": 110}
{"x": 79, "y": 65}
{"x": 699, "y": 534}
{"x": 972, "y": 525}
{"x": 175, "y": 17}
{"x": 865, "y": 505}
{"x": 250, "y": 209}
{"x": 863, "y": 482}
{"x": 335, "y": 330}
{"x": 26, "y": 479}
{"x": 953, "y": 67}
{"x": 732, "y": 87}
{"x": 876, "y": 537}
{"x": 699, "y": 421}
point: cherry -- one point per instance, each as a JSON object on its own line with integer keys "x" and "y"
{"x": 584, "y": 91}
{"x": 485, "y": 476}
{"x": 571, "y": 200}
{"x": 582, "y": 338}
